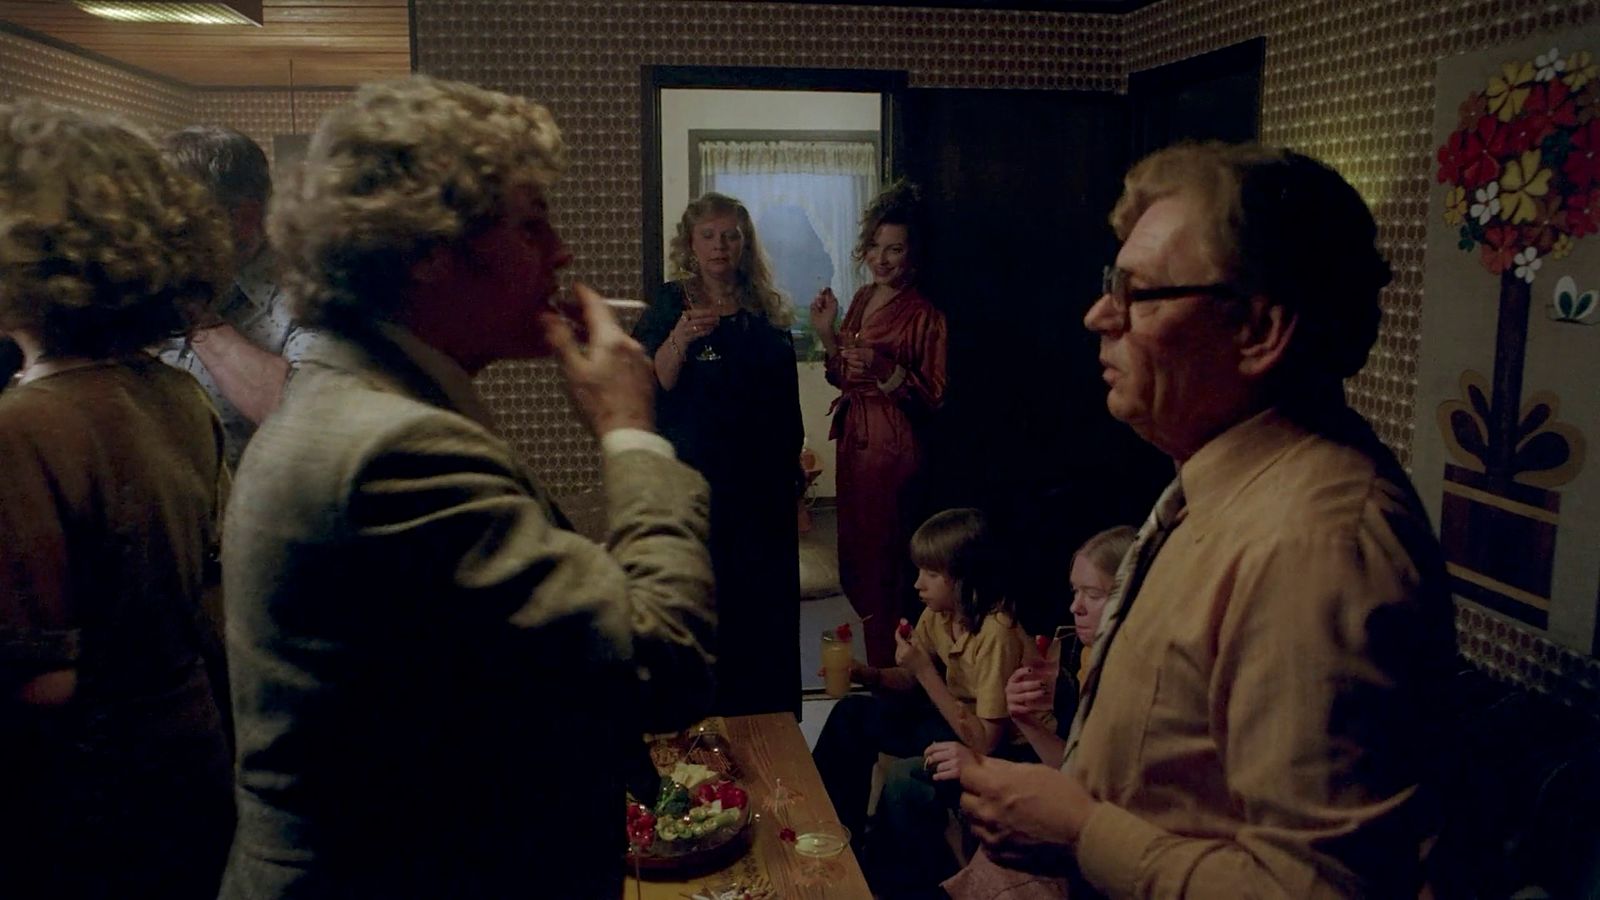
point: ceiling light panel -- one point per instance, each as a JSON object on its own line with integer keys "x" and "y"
{"x": 232, "y": 12}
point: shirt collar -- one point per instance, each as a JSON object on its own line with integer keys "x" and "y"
{"x": 453, "y": 381}
{"x": 1231, "y": 460}
{"x": 391, "y": 354}
{"x": 257, "y": 279}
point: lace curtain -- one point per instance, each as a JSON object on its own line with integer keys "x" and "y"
{"x": 830, "y": 181}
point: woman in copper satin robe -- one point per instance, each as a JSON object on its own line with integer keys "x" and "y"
{"x": 888, "y": 360}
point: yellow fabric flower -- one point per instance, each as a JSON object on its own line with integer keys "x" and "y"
{"x": 1510, "y": 89}
{"x": 1520, "y": 183}
{"x": 1581, "y": 69}
{"x": 1455, "y": 206}
{"x": 1562, "y": 247}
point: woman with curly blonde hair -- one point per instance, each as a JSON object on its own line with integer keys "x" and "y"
{"x": 887, "y": 357}
{"x": 729, "y": 401}
{"x": 115, "y": 766}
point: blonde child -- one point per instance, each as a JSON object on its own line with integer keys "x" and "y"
{"x": 1041, "y": 712}
{"x": 1038, "y": 709}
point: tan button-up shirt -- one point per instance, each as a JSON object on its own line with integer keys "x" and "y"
{"x": 1260, "y": 724}
{"x": 976, "y": 664}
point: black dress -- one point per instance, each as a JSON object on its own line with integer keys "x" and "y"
{"x": 736, "y": 419}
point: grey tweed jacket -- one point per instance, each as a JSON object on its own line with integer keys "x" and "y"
{"x": 436, "y": 684}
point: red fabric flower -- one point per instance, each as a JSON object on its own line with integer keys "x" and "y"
{"x": 1582, "y": 167}
{"x": 1453, "y": 156}
{"x": 1525, "y": 133}
{"x": 1549, "y": 107}
{"x": 1580, "y": 215}
{"x": 1499, "y": 248}
{"x": 1468, "y": 158}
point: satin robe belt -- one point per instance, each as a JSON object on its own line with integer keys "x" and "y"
{"x": 840, "y": 410}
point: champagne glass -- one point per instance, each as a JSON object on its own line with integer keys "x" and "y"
{"x": 818, "y": 846}
{"x": 850, "y": 339}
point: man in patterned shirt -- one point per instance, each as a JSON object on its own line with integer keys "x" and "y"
{"x": 245, "y": 356}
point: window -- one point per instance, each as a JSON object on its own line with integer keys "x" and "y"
{"x": 805, "y": 192}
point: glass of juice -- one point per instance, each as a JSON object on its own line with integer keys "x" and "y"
{"x": 1044, "y": 662}
{"x": 836, "y": 661}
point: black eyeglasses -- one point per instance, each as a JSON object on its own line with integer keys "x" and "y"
{"x": 1114, "y": 284}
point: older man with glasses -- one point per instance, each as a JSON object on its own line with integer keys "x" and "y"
{"x": 1256, "y": 716}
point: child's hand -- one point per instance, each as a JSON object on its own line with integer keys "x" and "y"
{"x": 1026, "y": 695}
{"x": 945, "y": 759}
{"x": 863, "y": 674}
{"x": 910, "y": 656}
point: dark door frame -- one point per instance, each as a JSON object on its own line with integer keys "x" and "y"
{"x": 652, "y": 79}
{"x": 1245, "y": 57}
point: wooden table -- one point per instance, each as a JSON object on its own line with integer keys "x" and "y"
{"x": 769, "y": 747}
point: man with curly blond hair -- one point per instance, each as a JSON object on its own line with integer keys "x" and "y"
{"x": 438, "y": 685}
{"x": 242, "y": 355}
{"x": 115, "y": 774}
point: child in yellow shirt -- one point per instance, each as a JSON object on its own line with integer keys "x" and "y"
{"x": 948, "y": 683}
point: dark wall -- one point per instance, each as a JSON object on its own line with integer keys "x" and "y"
{"x": 1214, "y": 96}
{"x": 1019, "y": 185}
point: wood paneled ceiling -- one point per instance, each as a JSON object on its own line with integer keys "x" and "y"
{"x": 331, "y": 42}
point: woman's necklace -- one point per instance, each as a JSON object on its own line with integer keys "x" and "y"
{"x": 54, "y": 365}
{"x": 702, "y": 297}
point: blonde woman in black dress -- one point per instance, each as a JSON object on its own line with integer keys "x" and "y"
{"x": 718, "y": 334}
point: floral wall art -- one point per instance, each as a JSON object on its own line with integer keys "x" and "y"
{"x": 1509, "y": 385}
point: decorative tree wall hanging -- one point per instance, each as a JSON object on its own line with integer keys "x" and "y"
{"x": 1522, "y": 177}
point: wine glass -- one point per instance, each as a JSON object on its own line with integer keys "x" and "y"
{"x": 708, "y": 349}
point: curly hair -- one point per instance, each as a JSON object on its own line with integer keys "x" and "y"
{"x": 756, "y": 291}
{"x": 1282, "y": 225}
{"x": 959, "y": 544}
{"x": 405, "y": 167}
{"x": 104, "y": 247}
{"x": 898, "y": 204}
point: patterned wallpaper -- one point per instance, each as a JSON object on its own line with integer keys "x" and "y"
{"x": 1352, "y": 83}
{"x": 32, "y": 69}
{"x": 582, "y": 59}
{"x": 1348, "y": 82}
{"x": 264, "y": 114}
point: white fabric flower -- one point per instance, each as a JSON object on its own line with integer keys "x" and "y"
{"x": 1488, "y": 205}
{"x": 1528, "y": 263}
{"x": 1550, "y": 65}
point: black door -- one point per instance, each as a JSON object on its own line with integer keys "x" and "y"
{"x": 1214, "y": 96}
{"x": 1019, "y": 185}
